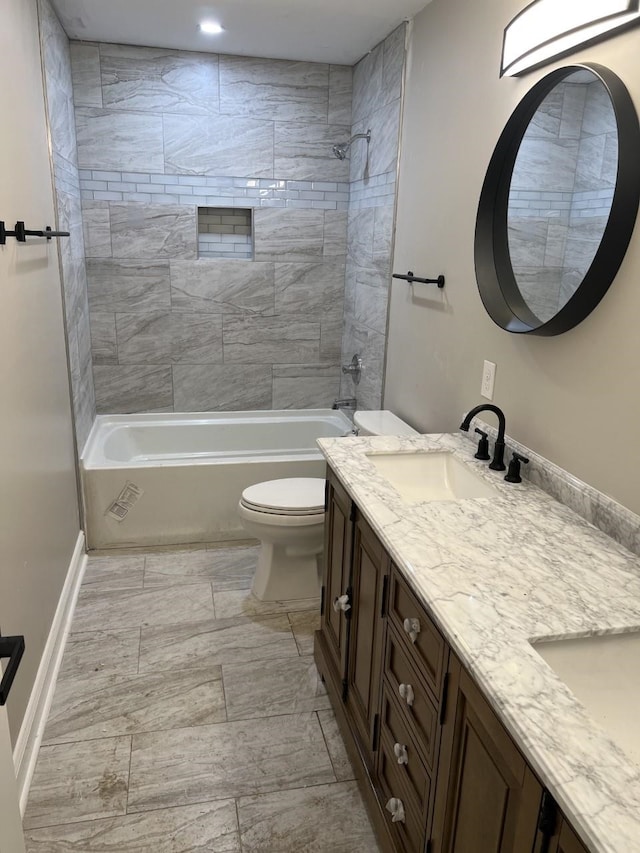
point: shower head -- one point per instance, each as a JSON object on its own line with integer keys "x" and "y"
{"x": 340, "y": 150}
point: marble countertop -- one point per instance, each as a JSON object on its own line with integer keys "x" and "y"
{"x": 496, "y": 573}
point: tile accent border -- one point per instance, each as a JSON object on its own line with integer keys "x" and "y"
{"x": 605, "y": 513}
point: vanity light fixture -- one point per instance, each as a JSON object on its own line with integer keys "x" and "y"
{"x": 210, "y": 28}
{"x": 548, "y": 29}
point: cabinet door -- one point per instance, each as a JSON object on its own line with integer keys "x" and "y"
{"x": 370, "y": 579}
{"x": 563, "y": 840}
{"x": 487, "y": 799}
{"x": 568, "y": 842}
{"x": 337, "y": 565}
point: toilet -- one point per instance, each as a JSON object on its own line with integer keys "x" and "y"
{"x": 287, "y": 516}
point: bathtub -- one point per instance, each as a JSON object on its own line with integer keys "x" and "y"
{"x": 171, "y": 479}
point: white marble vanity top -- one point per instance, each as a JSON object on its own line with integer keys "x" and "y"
{"x": 496, "y": 573}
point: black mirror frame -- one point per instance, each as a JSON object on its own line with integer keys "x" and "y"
{"x": 494, "y": 274}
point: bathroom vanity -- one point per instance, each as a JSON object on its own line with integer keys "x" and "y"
{"x": 462, "y": 737}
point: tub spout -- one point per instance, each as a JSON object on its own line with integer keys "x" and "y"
{"x": 345, "y": 403}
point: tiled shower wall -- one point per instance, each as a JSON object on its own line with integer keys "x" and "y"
{"x": 59, "y": 95}
{"x": 377, "y": 93}
{"x": 162, "y": 132}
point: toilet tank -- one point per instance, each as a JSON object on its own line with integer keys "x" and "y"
{"x": 381, "y": 422}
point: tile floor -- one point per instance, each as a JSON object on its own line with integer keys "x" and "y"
{"x": 189, "y": 716}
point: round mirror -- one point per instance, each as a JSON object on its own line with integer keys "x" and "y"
{"x": 559, "y": 202}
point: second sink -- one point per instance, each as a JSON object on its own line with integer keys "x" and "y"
{"x": 435, "y": 476}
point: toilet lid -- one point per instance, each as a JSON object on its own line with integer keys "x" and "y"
{"x": 292, "y": 496}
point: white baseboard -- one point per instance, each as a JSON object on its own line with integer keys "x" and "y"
{"x": 25, "y": 753}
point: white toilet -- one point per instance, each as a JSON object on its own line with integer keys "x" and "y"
{"x": 287, "y": 516}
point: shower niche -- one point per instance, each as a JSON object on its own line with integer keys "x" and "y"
{"x": 225, "y": 232}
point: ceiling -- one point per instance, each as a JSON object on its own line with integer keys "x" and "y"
{"x": 336, "y": 31}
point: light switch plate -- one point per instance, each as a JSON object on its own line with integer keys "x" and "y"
{"x": 488, "y": 380}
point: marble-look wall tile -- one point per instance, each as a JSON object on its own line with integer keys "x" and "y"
{"x": 104, "y": 349}
{"x": 156, "y": 81}
{"x": 340, "y": 92}
{"x": 309, "y": 290}
{"x": 383, "y": 228}
{"x": 210, "y": 826}
{"x": 97, "y": 229}
{"x": 393, "y": 52}
{"x": 335, "y": 234}
{"x": 360, "y": 236}
{"x": 305, "y": 386}
{"x": 196, "y": 339}
{"x": 222, "y": 287}
{"x": 227, "y": 760}
{"x": 371, "y": 347}
{"x": 108, "y": 139}
{"x": 59, "y": 91}
{"x": 265, "y": 340}
{"x": 85, "y": 73}
{"x": 204, "y": 145}
{"x": 128, "y": 286}
{"x": 222, "y": 388}
{"x": 385, "y": 129}
{"x": 367, "y": 84}
{"x": 153, "y": 230}
{"x": 331, "y": 339}
{"x": 371, "y": 306}
{"x": 132, "y": 388}
{"x": 303, "y": 151}
{"x": 288, "y": 235}
{"x": 274, "y": 89}
{"x": 144, "y": 338}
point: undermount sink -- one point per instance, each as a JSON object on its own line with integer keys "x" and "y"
{"x": 435, "y": 476}
{"x": 603, "y": 672}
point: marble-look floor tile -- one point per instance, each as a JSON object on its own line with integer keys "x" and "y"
{"x": 114, "y": 573}
{"x": 234, "y": 602}
{"x": 79, "y": 781}
{"x": 109, "y": 139}
{"x": 131, "y": 608}
{"x": 323, "y": 819}
{"x": 228, "y": 568}
{"x": 217, "y": 641}
{"x": 110, "y": 705}
{"x": 227, "y": 760}
{"x": 222, "y": 387}
{"x": 304, "y": 624}
{"x": 204, "y": 828}
{"x": 342, "y": 766}
{"x": 268, "y": 689}
{"x": 104, "y": 652}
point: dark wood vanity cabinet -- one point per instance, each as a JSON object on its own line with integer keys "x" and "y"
{"x": 437, "y": 769}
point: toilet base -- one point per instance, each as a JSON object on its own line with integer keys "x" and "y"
{"x": 282, "y": 575}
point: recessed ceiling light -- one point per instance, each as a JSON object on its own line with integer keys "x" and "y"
{"x": 211, "y": 28}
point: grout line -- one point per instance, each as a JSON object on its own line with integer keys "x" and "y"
{"x": 326, "y": 744}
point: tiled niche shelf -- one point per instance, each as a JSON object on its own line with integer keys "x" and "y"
{"x": 225, "y": 232}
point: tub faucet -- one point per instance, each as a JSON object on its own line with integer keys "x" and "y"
{"x": 345, "y": 403}
{"x": 497, "y": 463}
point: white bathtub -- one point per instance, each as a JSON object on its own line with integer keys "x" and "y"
{"x": 177, "y": 478}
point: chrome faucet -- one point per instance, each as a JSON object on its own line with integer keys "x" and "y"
{"x": 345, "y": 403}
{"x": 497, "y": 463}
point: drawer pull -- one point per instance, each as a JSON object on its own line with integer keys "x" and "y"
{"x": 341, "y": 603}
{"x": 400, "y": 752}
{"x": 406, "y": 693}
{"x": 396, "y": 807}
{"x": 412, "y": 628}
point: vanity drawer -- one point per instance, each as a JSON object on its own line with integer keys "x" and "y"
{"x": 394, "y": 729}
{"x": 426, "y": 646}
{"x": 418, "y": 710}
{"x": 409, "y": 832}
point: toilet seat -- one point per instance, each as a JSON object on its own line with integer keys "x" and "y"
{"x": 295, "y": 497}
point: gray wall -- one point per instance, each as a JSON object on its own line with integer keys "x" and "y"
{"x": 38, "y": 500}
{"x": 572, "y": 398}
{"x": 377, "y": 91}
{"x": 59, "y": 96}
{"x": 161, "y": 132}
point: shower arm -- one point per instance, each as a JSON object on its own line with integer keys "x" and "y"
{"x": 340, "y": 149}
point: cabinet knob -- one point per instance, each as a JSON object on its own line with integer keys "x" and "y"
{"x": 341, "y": 603}
{"x": 406, "y": 693}
{"x": 412, "y": 628}
{"x": 396, "y": 807}
{"x": 400, "y": 752}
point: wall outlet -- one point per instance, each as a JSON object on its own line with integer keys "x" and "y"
{"x": 488, "y": 380}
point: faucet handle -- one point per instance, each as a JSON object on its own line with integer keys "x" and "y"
{"x": 483, "y": 446}
{"x": 513, "y": 474}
